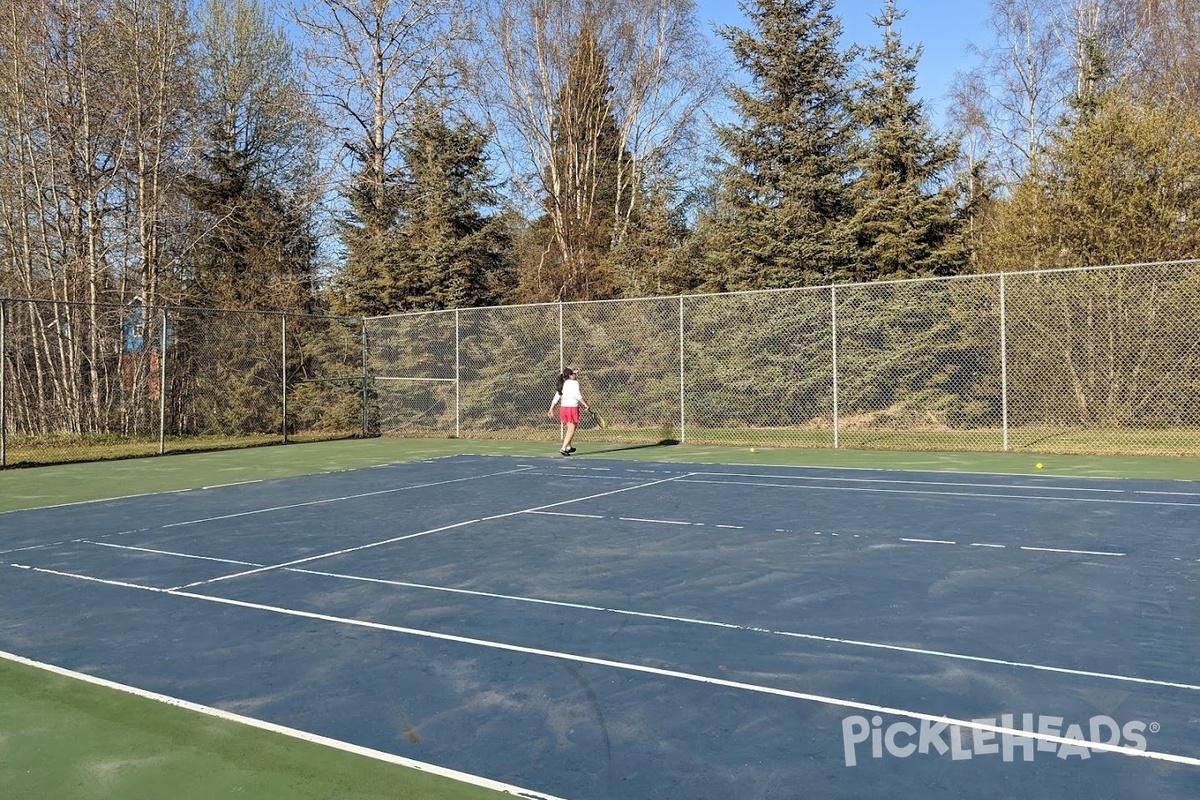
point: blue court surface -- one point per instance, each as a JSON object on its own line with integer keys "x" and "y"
{"x": 600, "y": 629}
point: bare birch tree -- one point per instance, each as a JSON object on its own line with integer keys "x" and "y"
{"x": 368, "y": 61}
{"x": 1049, "y": 59}
{"x": 661, "y": 75}
{"x": 1167, "y": 66}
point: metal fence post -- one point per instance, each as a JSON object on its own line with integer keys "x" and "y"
{"x": 162, "y": 386}
{"x": 283, "y": 369}
{"x": 364, "y": 377}
{"x": 682, "y": 395}
{"x": 457, "y": 380}
{"x": 3, "y": 395}
{"x": 834, "y": 332}
{"x": 1003, "y": 364}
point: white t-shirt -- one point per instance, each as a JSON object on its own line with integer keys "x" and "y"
{"x": 570, "y": 395}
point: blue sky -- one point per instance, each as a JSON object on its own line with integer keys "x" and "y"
{"x": 944, "y": 28}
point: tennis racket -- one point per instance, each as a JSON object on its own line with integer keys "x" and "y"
{"x": 597, "y": 419}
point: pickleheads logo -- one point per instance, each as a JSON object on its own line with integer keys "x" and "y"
{"x": 1004, "y": 737}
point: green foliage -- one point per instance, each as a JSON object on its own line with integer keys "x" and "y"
{"x": 448, "y": 250}
{"x": 906, "y": 223}
{"x": 782, "y": 208}
{"x": 426, "y": 239}
{"x": 1115, "y": 186}
{"x": 254, "y": 242}
{"x": 366, "y": 229}
{"x": 759, "y": 360}
{"x": 588, "y": 203}
{"x": 1105, "y": 348}
{"x": 658, "y": 255}
{"x": 907, "y": 355}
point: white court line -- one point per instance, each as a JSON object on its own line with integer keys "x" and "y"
{"x": 755, "y": 629}
{"x": 982, "y": 544}
{"x": 347, "y": 497}
{"x": 943, "y": 494}
{"x": 67, "y": 541}
{"x": 1072, "y": 552}
{"x": 565, "y": 514}
{"x": 337, "y": 744}
{"x": 170, "y": 553}
{"x": 918, "y": 482}
{"x": 98, "y": 500}
{"x": 30, "y": 547}
{"x": 927, "y": 541}
{"x": 659, "y": 521}
{"x": 655, "y": 671}
{"x": 395, "y": 539}
{"x": 238, "y": 483}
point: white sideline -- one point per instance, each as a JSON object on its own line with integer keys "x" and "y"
{"x": 294, "y": 733}
{"x": 836, "y": 702}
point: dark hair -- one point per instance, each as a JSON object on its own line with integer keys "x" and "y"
{"x": 567, "y": 372}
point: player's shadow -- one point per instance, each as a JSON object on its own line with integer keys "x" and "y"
{"x": 659, "y": 443}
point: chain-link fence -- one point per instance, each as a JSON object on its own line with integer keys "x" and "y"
{"x": 93, "y": 381}
{"x": 1103, "y": 360}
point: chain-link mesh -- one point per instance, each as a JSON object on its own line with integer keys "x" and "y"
{"x": 1103, "y": 360}
{"x": 85, "y": 381}
{"x": 412, "y": 363}
{"x": 1100, "y": 360}
{"x": 758, "y": 368}
{"x": 327, "y": 388}
{"x": 507, "y": 358}
{"x": 627, "y": 356}
{"x": 914, "y": 360}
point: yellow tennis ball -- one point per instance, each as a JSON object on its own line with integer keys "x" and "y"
{"x": 1039, "y": 465}
{"x": 752, "y": 450}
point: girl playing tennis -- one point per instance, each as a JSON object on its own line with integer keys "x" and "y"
{"x": 568, "y": 398}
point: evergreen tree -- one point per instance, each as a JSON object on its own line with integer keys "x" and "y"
{"x": 367, "y": 230}
{"x": 906, "y": 223}
{"x": 589, "y": 197}
{"x": 781, "y": 210}
{"x": 657, "y": 255}
{"x": 255, "y": 245}
{"x": 450, "y": 251}
{"x": 1115, "y": 186}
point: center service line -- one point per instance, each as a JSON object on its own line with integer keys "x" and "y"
{"x": 393, "y": 540}
{"x": 656, "y": 671}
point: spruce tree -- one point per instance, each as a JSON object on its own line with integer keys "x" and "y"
{"x": 451, "y": 245}
{"x": 781, "y": 210}
{"x": 366, "y": 230}
{"x": 255, "y": 247}
{"x": 906, "y": 223}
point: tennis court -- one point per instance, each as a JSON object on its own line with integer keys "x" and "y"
{"x": 600, "y": 628}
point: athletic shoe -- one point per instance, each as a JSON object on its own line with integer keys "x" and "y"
{"x": 565, "y": 452}
{"x": 570, "y": 449}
